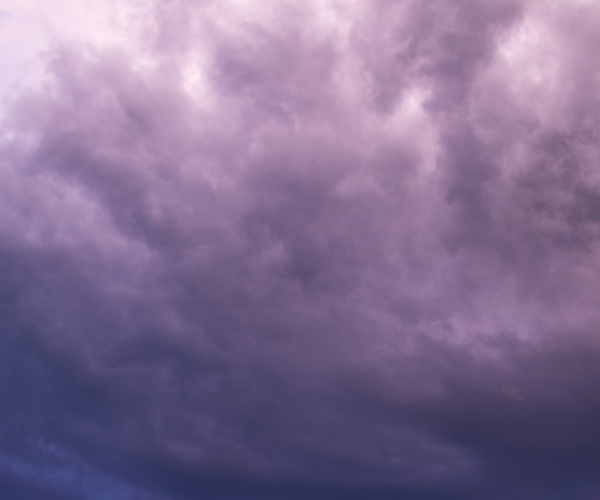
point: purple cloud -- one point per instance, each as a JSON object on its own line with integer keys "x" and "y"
{"x": 329, "y": 250}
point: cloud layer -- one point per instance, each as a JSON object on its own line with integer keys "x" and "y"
{"x": 305, "y": 250}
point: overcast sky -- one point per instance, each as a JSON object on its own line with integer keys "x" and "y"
{"x": 284, "y": 249}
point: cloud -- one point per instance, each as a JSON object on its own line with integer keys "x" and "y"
{"x": 305, "y": 251}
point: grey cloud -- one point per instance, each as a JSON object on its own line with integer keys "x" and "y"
{"x": 270, "y": 293}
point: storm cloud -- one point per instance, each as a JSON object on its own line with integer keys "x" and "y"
{"x": 289, "y": 250}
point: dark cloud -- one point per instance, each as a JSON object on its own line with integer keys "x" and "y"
{"x": 321, "y": 251}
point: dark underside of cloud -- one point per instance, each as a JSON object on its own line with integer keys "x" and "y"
{"x": 326, "y": 250}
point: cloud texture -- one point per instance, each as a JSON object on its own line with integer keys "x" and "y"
{"x": 315, "y": 249}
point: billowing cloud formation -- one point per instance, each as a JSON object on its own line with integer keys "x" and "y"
{"x": 306, "y": 250}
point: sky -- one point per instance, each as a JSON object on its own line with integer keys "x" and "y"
{"x": 292, "y": 250}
